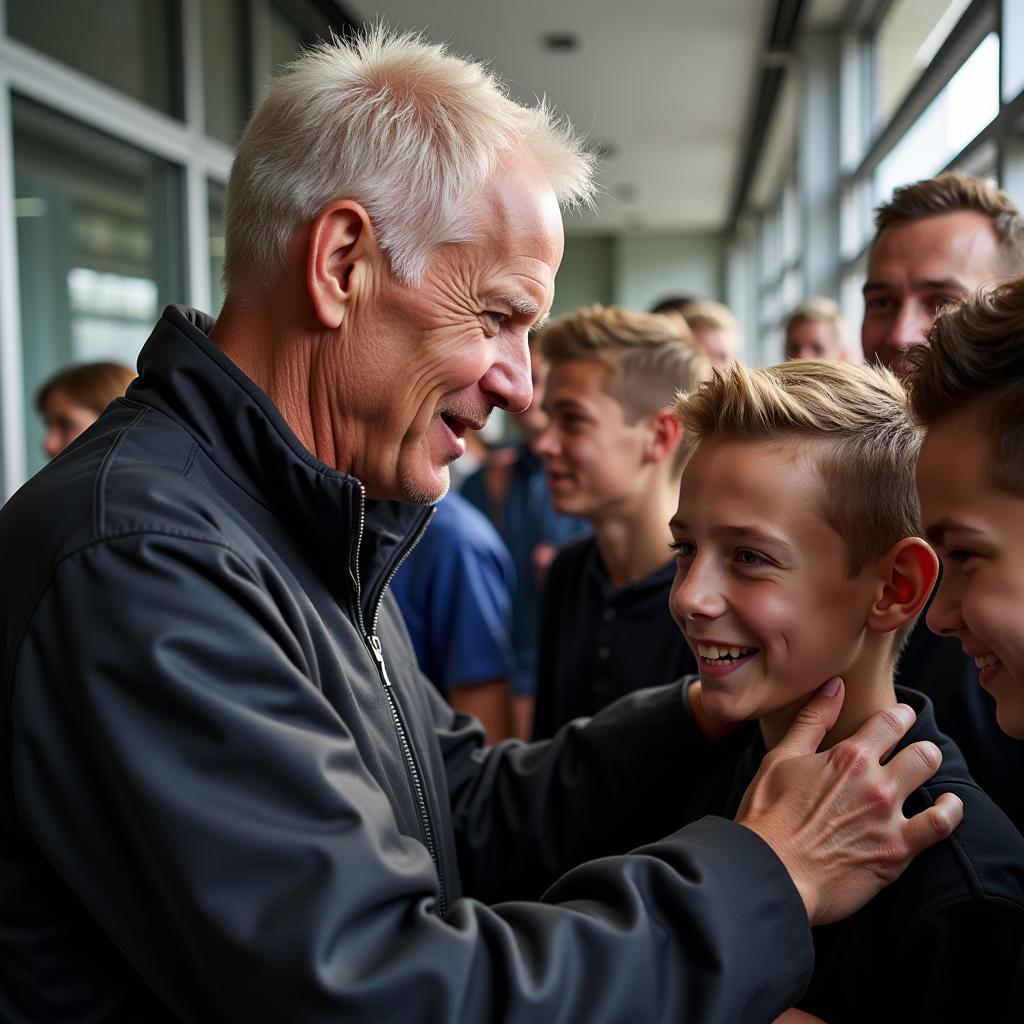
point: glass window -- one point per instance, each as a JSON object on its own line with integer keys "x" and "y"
{"x": 131, "y": 45}
{"x": 1013, "y": 49}
{"x": 968, "y": 103}
{"x": 217, "y": 198}
{"x": 286, "y": 39}
{"x": 908, "y": 38}
{"x": 224, "y": 69}
{"x": 99, "y": 247}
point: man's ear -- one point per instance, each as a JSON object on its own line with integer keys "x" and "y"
{"x": 910, "y": 568}
{"x": 666, "y": 434}
{"x": 342, "y": 248}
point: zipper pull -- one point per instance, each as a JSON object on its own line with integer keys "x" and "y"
{"x": 378, "y": 655}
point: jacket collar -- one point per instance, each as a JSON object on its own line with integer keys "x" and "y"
{"x": 186, "y": 376}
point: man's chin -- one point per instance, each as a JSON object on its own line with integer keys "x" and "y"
{"x": 418, "y": 491}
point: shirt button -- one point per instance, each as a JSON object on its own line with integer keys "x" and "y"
{"x": 604, "y": 653}
{"x": 608, "y": 615}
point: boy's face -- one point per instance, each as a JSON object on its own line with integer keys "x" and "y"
{"x": 977, "y": 530}
{"x": 762, "y": 575}
{"x": 591, "y": 455}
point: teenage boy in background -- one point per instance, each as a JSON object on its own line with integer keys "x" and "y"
{"x": 936, "y": 241}
{"x": 968, "y": 390}
{"x": 797, "y": 558}
{"x": 612, "y": 456}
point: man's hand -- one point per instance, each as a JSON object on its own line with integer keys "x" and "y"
{"x": 834, "y": 818}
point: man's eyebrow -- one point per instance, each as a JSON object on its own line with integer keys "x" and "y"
{"x": 936, "y": 533}
{"x": 522, "y": 306}
{"x": 931, "y": 283}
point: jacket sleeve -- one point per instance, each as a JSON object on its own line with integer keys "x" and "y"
{"x": 526, "y": 813}
{"x": 212, "y": 813}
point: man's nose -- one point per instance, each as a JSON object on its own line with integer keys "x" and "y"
{"x": 507, "y": 382}
{"x": 911, "y": 325}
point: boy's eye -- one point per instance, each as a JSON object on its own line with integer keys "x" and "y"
{"x": 959, "y": 555}
{"x": 877, "y": 303}
{"x": 751, "y": 558}
{"x": 683, "y": 548}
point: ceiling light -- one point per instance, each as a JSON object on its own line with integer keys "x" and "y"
{"x": 560, "y": 42}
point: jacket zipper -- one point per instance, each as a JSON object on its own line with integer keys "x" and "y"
{"x": 373, "y": 642}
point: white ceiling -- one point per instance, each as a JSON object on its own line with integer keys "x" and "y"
{"x": 667, "y": 84}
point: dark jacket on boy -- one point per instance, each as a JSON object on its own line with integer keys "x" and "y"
{"x": 939, "y": 944}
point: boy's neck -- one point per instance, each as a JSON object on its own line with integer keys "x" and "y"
{"x": 634, "y": 542}
{"x": 869, "y": 689}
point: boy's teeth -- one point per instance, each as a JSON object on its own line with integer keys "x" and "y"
{"x": 985, "y": 660}
{"x": 710, "y": 652}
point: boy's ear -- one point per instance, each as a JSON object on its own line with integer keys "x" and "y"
{"x": 342, "y": 250}
{"x": 665, "y": 436}
{"x": 910, "y": 569}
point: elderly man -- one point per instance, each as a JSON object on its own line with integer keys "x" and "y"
{"x": 229, "y": 794}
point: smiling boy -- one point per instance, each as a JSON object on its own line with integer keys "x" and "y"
{"x": 612, "y": 455}
{"x": 968, "y": 390}
{"x": 798, "y": 559}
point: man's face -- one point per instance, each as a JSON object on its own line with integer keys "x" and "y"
{"x": 977, "y": 530}
{"x": 592, "y": 456}
{"x": 914, "y": 269}
{"x": 761, "y": 591}
{"x": 428, "y": 362}
{"x": 812, "y": 339}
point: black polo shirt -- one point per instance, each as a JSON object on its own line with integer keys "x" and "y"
{"x": 598, "y": 642}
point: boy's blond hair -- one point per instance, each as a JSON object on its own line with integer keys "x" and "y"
{"x": 975, "y": 357}
{"x": 868, "y": 442}
{"x": 649, "y": 357}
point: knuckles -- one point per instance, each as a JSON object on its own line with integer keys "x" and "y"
{"x": 851, "y": 757}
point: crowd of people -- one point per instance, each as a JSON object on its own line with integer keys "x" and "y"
{"x": 702, "y": 699}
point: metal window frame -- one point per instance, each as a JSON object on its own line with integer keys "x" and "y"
{"x": 183, "y": 143}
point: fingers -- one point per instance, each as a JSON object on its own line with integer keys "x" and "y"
{"x": 913, "y": 766}
{"x": 881, "y": 732}
{"x": 936, "y": 823}
{"x": 813, "y": 720}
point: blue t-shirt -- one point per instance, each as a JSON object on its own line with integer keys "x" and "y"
{"x": 525, "y": 519}
{"x": 455, "y": 591}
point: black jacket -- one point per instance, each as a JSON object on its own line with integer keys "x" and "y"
{"x": 218, "y": 804}
{"x": 941, "y": 944}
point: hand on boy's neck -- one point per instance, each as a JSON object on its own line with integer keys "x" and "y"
{"x": 869, "y": 689}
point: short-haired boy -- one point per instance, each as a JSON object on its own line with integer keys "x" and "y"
{"x": 968, "y": 390}
{"x": 611, "y": 452}
{"x": 798, "y": 559}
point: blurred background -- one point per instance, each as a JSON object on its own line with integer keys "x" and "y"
{"x": 742, "y": 146}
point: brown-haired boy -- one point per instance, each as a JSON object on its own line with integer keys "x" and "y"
{"x": 968, "y": 390}
{"x": 798, "y": 559}
{"x": 612, "y": 455}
